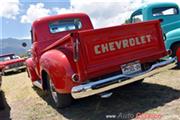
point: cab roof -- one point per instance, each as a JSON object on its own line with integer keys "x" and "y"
{"x": 155, "y": 5}
{"x": 45, "y": 20}
{"x": 159, "y": 4}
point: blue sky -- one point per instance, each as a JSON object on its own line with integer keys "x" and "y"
{"x": 18, "y": 15}
{"x": 15, "y": 28}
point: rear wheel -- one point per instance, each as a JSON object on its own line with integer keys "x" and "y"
{"x": 60, "y": 100}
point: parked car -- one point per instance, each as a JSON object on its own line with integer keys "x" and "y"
{"x": 72, "y": 60}
{"x": 169, "y": 14}
{"x": 12, "y": 63}
{"x": 1, "y": 73}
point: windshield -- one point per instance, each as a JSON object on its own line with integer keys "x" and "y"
{"x": 163, "y": 11}
{"x": 65, "y": 25}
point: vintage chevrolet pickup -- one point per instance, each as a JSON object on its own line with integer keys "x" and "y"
{"x": 169, "y": 14}
{"x": 72, "y": 60}
{"x": 12, "y": 63}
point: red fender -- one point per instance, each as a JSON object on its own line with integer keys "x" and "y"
{"x": 31, "y": 71}
{"x": 58, "y": 67}
{"x": 1, "y": 67}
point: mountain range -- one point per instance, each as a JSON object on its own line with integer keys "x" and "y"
{"x": 13, "y": 45}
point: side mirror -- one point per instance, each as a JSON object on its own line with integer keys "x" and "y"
{"x": 24, "y": 44}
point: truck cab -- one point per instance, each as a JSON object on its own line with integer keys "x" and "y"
{"x": 47, "y": 31}
{"x": 169, "y": 15}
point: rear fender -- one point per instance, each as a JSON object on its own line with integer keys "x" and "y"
{"x": 30, "y": 70}
{"x": 58, "y": 67}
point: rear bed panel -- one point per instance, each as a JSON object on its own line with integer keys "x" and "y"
{"x": 104, "y": 50}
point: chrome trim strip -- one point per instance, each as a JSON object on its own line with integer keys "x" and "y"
{"x": 85, "y": 90}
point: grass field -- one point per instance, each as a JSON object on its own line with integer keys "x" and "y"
{"x": 158, "y": 98}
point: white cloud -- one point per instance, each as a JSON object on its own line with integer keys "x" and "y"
{"x": 103, "y": 13}
{"x": 107, "y": 13}
{"x": 9, "y": 9}
{"x": 34, "y": 12}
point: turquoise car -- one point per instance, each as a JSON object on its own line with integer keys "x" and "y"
{"x": 169, "y": 14}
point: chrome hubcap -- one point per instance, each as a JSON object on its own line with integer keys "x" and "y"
{"x": 53, "y": 91}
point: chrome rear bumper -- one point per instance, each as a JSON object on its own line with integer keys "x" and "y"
{"x": 106, "y": 84}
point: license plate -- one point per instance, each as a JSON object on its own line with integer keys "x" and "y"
{"x": 131, "y": 68}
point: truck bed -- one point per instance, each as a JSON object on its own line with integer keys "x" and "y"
{"x": 104, "y": 51}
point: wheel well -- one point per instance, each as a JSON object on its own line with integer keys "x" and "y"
{"x": 44, "y": 80}
{"x": 174, "y": 44}
{"x": 174, "y": 47}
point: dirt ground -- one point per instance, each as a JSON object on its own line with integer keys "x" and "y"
{"x": 157, "y": 98}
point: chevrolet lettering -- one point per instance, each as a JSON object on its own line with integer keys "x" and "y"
{"x": 119, "y": 44}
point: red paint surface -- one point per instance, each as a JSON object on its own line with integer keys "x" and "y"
{"x": 1, "y": 67}
{"x": 178, "y": 54}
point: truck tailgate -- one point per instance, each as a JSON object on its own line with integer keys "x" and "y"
{"x": 103, "y": 51}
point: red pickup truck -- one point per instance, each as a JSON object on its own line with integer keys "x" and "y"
{"x": 12, "y": 63}
{"x": 72, "y": 60}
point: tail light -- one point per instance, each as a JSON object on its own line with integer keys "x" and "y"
{"x": 75, "y": 77}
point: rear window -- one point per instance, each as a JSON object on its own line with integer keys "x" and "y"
{"x": 163, "y": 11}
{"x": 65, "y": 25}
